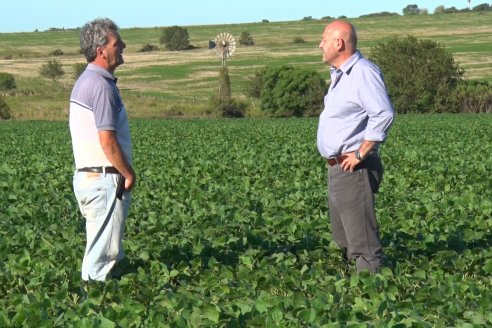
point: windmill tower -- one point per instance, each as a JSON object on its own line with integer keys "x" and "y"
{"x": 224, "y": 45}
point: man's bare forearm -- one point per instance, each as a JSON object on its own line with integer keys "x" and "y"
{"x": 113, "y": 152}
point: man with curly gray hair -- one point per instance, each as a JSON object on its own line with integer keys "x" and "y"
{"x": 102, "y": 149}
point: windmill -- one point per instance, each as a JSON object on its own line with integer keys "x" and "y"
{"x": 224, "y": 45}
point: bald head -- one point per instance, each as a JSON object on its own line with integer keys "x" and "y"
{"x": 338, "y": 43}
{"x": 345, "y": 31}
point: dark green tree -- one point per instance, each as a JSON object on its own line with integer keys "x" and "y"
{"x": 292, "y": 91}
{"x": 482, "y": 7}
{"x": 419, "y": 74}
{"x": 175, "y": 38}
{"x": 52, "y": 70}
{"x": 411, "y": 10}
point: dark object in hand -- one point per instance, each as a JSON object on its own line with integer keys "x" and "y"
{"x": 120, "y": 187}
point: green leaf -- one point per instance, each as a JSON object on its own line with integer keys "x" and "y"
{"x": 212, "y": 313}
{"x": 488, "y": 266}
{"x": 261, "y": 306}
{"x": 245, "y": 306}
{"x": 144, "y": 255}
{"x": 308, "y": 315}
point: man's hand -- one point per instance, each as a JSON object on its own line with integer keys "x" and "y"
{"x": 113, "y": 152}
{"x": 130, "y": 182}
{"x": 350, "y": 162}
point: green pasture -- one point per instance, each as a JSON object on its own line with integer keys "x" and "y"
{"x": 173, "y": 78}
{"x": 229, "y": 227}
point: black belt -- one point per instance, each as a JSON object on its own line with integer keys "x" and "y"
{"x": 100, "y": 169}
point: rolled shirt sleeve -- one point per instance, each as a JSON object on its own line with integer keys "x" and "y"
{"x": 375, "y": 100}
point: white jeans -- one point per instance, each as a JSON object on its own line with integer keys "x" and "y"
{"x": 105, "y": 217}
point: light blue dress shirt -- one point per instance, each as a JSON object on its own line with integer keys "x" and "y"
{"x": 357, "y": 108}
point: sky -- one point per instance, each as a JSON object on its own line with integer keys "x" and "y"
{"x": 41, "y": 15}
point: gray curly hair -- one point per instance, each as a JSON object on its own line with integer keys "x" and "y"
{"x": 94, "y": 34}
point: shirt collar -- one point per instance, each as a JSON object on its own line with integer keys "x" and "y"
{"x": 345, "y": 68}
{"x": 101, "y": 71}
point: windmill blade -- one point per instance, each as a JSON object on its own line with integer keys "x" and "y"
{"x": 225, "y": 45}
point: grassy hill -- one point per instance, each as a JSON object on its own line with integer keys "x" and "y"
{"x": 165, "y": 84}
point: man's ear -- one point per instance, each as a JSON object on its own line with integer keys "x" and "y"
{"x": 341, "y": 44}
{"x": 100, "y": 51}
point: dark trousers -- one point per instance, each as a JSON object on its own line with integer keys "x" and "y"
{"x": 353, "y": 220}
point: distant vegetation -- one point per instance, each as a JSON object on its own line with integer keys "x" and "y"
{"x": 148, "y": 47}
{"x": 56, "y": 52}
{"x": 176, "y": 38}
{"x": 420, "y": 74}
{"x": 180, "y": 84}
{"x": 246, "y": 39}
{"x": 78, "y": 69}
{"x": 7, "y": 83}
{"x": 291, "y": 91}
{"x": 52, "y": 70}
{"x": 4, "y": 109}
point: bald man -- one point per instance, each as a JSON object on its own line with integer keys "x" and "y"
{"x": 356, "y": 119}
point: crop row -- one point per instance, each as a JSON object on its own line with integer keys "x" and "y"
{"x": 229, "y": 227}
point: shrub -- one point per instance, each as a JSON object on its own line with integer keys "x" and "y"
{"x": 419, "y": 73}
{"x": 78, "y": 68}
{"x": 148, "y": 47}
{"x": 467, "y": 97}
{"x": 246, "y": 39}
{"x": 52, "y": 70}
{"x": 254, "y": 85}
{"x": 299, "y": 39}
{"x": 4, "y": 109}
{"x": 265, "y": 21}
{"x": 232, "y": 108}
{"x": 229, "y": 107}
{"x": 292, "y": 91}
{"x": 57, "y": 52}
{"x": 474, "y": 97}
{"x": 7, "y": 83}
{"x": 175, "y": 38}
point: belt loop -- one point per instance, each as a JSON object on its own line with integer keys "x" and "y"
{"x": 104, "y": 170}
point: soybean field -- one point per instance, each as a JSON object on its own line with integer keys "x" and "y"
{"x": 229, "y": 227}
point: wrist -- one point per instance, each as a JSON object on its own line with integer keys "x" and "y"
{"x": 358, "y": 155}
